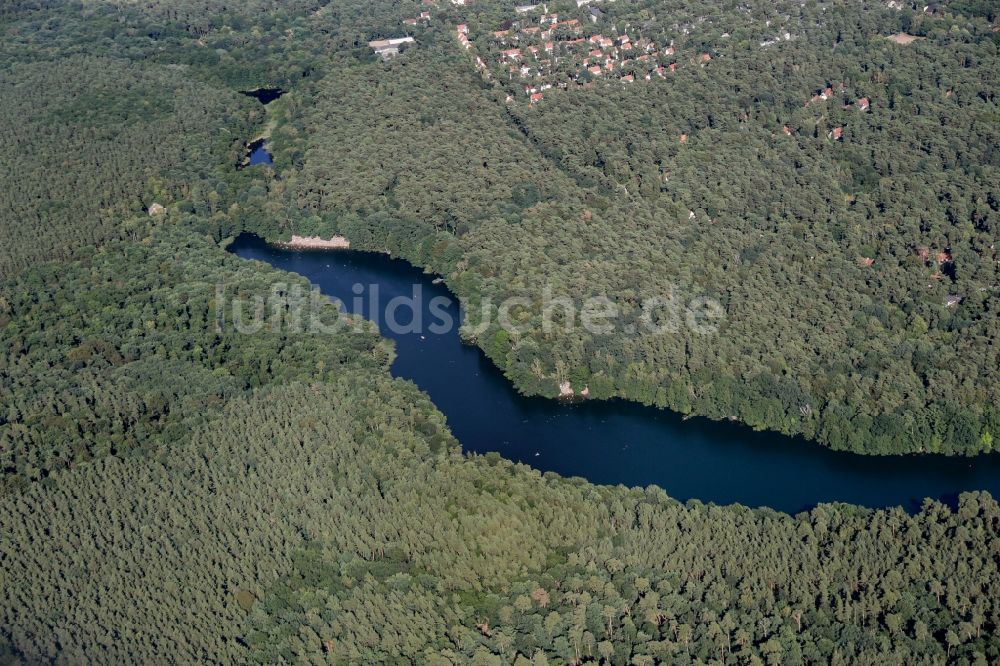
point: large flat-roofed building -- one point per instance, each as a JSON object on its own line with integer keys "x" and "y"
{"x": 389, "y": 47}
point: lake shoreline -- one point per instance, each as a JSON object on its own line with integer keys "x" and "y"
{"x": 616, "y": 441}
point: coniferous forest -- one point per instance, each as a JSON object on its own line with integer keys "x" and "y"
{"x": 175, "y": 491}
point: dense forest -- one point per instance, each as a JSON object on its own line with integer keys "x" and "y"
{"x": 175, "y": 490}
{"x": 102, "y": 140}
{"x": 858, "y": 274}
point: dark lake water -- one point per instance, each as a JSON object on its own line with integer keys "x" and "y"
{"x": 619, "y": 442}
{"x": 258, "y": 153}
{"x": 264, "y": 95}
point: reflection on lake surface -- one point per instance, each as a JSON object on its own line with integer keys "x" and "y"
{"x": 258, "y": 153}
